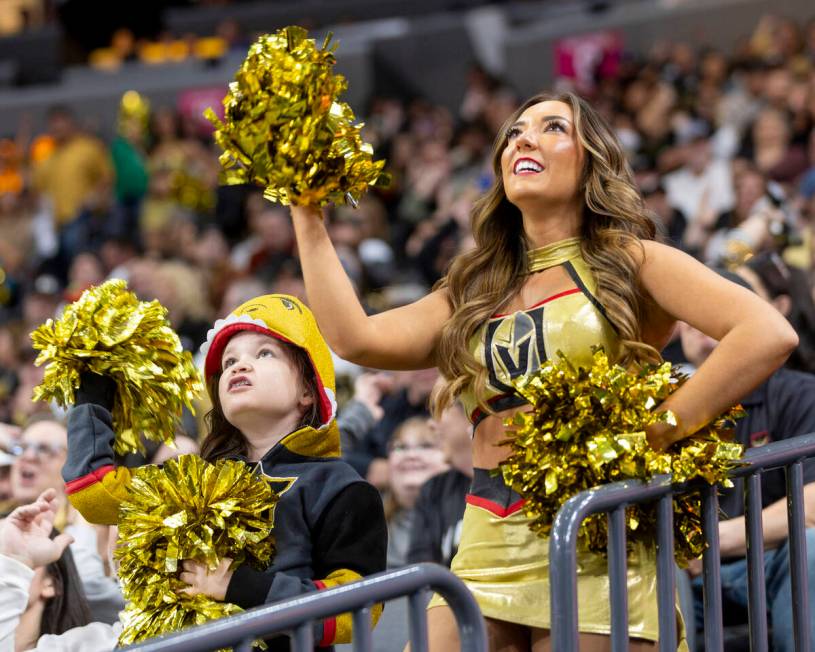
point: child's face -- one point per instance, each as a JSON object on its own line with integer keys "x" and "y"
{"x": 414, "y": 458}
{"x": 258, "y": 380}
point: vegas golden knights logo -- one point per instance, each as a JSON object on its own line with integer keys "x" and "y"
{"x": 514, "y": 347}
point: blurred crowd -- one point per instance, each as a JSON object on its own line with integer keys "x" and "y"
{"x": 722, "y": 145}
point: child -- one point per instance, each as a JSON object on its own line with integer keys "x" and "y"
{"x": 271, "y": 380}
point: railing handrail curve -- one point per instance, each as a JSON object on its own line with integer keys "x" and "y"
{"x": 285, "y": 615}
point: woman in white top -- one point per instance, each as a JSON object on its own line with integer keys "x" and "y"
{"x": 35, "y": 577}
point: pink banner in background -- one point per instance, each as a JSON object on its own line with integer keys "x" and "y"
{"x": 587, "y": 57}
{"x": 193, "y": 102}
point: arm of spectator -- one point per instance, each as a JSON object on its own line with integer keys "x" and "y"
{"x": 403, "y": 338}
{"x": 15, "y": 581}
{"x": 754, "y": 234}
{"x": 424, "y": 539}
{"x": 733, "y": 536}
{"x": 357, "y": 419}
{"x": 94, "y": 484}
{"x": 699, "y": 228}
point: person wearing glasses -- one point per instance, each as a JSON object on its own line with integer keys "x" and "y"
{"x": 39, "y": 455}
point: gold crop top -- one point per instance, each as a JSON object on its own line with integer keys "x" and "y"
{"x": 516, "y": 344}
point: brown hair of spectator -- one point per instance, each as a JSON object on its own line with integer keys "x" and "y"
{"x": 615, "y": 220}
{"x": 69, "y": 606}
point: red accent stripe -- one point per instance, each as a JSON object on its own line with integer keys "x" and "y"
{"x": 478, "y": 411}
{"x": 540, "y": 303}
{"x": 329, "y": 624}
{"x": 493, "y": 507}
{"x": 87, "y": 480}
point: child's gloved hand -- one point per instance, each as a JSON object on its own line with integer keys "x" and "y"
{"x": 203, "y": 581}
{"x": 96, "y": 389}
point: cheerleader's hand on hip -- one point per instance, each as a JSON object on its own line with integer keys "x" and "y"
{"x": 202, "y": 581}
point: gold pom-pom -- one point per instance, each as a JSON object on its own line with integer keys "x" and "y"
{"x": 285, "y": 129}
{"x": 587, "y": 428}
{"x": 110, "y": 332}
{"x": 187, "y": 509}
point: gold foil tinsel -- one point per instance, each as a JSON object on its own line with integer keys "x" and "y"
{"x": 187, "y": 509}
{"x": 286, "y": 130}
{"x": 587, "y": 428}
{"x": 110, "y": 332}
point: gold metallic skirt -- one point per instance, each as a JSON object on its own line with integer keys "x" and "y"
{"x": 506, "y": 566}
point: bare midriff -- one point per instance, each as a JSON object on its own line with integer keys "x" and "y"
{"x": 488, "y": 451}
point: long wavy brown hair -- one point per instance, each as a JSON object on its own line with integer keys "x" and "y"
{"x": 614, "y": 221}
{"x": 225, "y": 441}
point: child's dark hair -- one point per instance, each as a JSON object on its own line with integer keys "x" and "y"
{"x": 223, "y": 440}
{"x": 69, "y": 606}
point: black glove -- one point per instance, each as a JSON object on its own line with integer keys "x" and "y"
{"x": 96, "y": 389}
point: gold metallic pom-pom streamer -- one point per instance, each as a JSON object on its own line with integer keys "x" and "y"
{"x": 110, "y": 332}
{"x": 187, "y": 509}
{"x": 285, "y": 129}
{"x": 587, "y": 428}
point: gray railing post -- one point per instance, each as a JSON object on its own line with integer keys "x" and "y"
{"x": 362, "y": 630}
{"x": 756, "y": 587}
{"x": 798, "y": 556}
{"x": 417, "y": 619}
{"x": 618, "y": 577}
{"x": 666, "y": 577}
{"x": 303, "y": 638}
{"x": 711, "y": 564}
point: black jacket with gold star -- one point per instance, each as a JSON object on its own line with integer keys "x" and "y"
{"x": 329, "y": 523}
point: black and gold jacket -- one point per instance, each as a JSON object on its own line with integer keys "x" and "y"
{"x": 329, "y": 523}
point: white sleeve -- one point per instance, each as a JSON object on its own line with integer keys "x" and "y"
{"x": 96, "y": 637}
{"x": 15, "y": 580}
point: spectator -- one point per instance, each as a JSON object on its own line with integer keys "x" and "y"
{"x": 440, "y": 506}
{"x": 41, "y": 452}
{"x": 43, "y": 607}
{"x": 414, "y": 456}
{"x": 269, "y": 246}
{"x": 407, "y": 399}
{"x": 128, "y": 152}
{"x": 789, "y": 290}
{"x": 76, "y": 179}
{"x": 769, "y": 146}
{"x": 702, "y": 183}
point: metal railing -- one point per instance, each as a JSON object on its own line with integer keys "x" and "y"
{"x": 613, "y": 499}
{"x": 296, "y": 617}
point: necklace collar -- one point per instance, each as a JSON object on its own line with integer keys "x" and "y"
{"x": 552, "y": 255}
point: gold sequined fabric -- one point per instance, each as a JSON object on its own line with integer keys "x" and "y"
{"x": 506, "y": 567}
